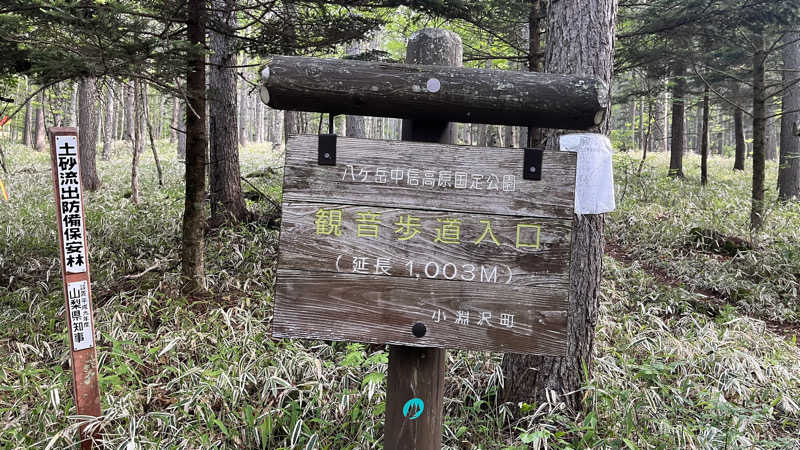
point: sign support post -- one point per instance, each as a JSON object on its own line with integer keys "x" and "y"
{"x": 75, "y": 269}
{"x": 419, "y": 372}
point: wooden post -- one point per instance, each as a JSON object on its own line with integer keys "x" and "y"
{"x": 75, "y": 269}
{"x": 418, "y": 373}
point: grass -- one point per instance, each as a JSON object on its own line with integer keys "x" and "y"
{"x": 693, "y": 349}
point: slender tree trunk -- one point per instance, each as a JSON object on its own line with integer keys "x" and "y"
{"x": 175, "y": 123}
{"x": 678, "y": 122}
{"x": 771, "y": 134}
{"x": 659, "y": 135}
{"x": 698, "y": 126}
{"x": 109, "y": 120}
{"x": 244, "y": 135}
{"x": 580, "y": 41}
{"x": 129, "y": 113}
{"x": 26, "y": 129}
{"x": 789, "y": 171}
{"x": 74, "y": 103}
{"x": 741, "y": 147}
{"x": 259, "y": 121}
{"x": 146, "y": 111}
{"x": 181, "y": 132}
{"x": 87, "y": 120}
{"x": 194, "y": 222}
{"x": 39, "y": 141}
{"x": 704, "y": 140}
{"x": 227, "y": 202}
{"x": 355, "y": 126}
{"x": 115, "y": 132}
{"x": 138, "y": 144}
{"x": 508, "y": 137}
{"x": 759, "y": 134}
{"x": 536, "y": 16}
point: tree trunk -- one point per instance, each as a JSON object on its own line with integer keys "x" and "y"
{"x": 580, "y": 41}
{"x": 659, "y": 136}
{"x": 39, "y": 141}
{"x": 108, "y": 123}
{"x": 129, "y": 113}
{"x": 704, "y": 140}
{"x": 138, "y": 144}
{"x": 244, "y": 137}
{"x": 290, "y": 124}
{"x": 147, "y": 121}
{"x": 225, "y": 181}
{"x": 26, "y": 127}
{"x": 259, "y": 121}
{"x": 194, "y": 223}
{"x": 73, "y": 105}
{"x": 741, "y": 147}
{"x": 536, "y": 15}
{"x": 771, "y": 134}
{"x": 508, "y": 137}
{"x": 789, "y": 171}
{"x": 678, "y": 122}
{"x": 181, "y": 131}
{"x": 175, "y": 122}
{"x": 759, "y": 133}
{"x": 115, "y": 133}
{"x": 355, "y": 126}
{"x": 87, "y": 120}
{"x": 698, "y": 126}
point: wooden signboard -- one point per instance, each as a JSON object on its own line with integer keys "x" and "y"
{"x": 425, "y": 245}
{"x": 75, "y": 267}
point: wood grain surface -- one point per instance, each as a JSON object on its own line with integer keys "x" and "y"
{"x": 366, "y": 254}
{"x": 371, "y": 308}
{"x": 420, "y": 256}
{"x": 305, "y": 181}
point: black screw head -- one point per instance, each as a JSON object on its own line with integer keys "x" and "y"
{"x": 419, "y": 329}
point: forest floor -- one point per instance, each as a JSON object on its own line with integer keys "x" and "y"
{"x": 694, "y": 348}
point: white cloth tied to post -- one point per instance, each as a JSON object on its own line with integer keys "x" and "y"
{"x": 594, "y": 181}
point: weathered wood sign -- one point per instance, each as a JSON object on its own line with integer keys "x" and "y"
{"x": 425, "y": 245}
{"x": 75, "y": 267}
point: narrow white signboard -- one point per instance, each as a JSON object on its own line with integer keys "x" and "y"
{"x": 71, "y": 206}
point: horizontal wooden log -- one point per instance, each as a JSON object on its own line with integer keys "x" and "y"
{"x": 434, "y": 177}
{"x": 434, "y": 93}
{"x": 491, "y": 250}
{"x": 369, "y": 308}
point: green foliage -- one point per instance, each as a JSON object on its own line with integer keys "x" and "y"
{"x": 673, "y": 369}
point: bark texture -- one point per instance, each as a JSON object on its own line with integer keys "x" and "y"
{"x": 789, "y": 172}
{"x": 39, "y": 140}
{"x": 741, "y": 147}
{"x": 175, "y": 122}
{"x": 87, "y": 133}
{"x": 181, "y": 131}
{"x": 26, "y": 128}
{"x": 678, "y": 123}
{"x": 759, "y": 134}
{"x": 704, "y": 140}
{"x": 355, "y": 125}
{"x": 244, "y": 112}
{"x": 580, "y": 41}
{"x": 138, "y": 143}
{"x": 129, "y": 113}
{"x": 108, "y": 123}
{"x": 194, "y": 222}
{"x": 225, "y": 180}
{"x": 440, "y": 93}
